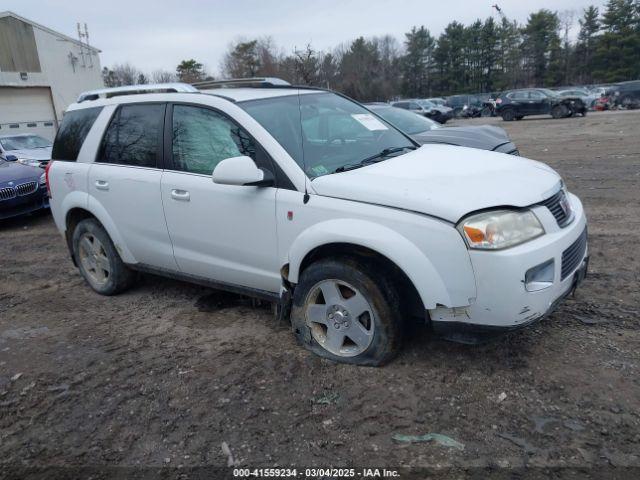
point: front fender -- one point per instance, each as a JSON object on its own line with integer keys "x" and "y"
{"x": 383, "y": 240}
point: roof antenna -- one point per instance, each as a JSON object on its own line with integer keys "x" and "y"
{"x": 305, "y": 198}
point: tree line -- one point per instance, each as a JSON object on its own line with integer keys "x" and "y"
{"x": 487, "y": 55}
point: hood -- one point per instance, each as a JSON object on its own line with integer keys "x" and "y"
{"x": 486, "y": 137}
{"x": 32, "y": 153}
{"x": 16, "y": 172}
{"x": 442, "y": 108}
{"x": 445, "y": 181}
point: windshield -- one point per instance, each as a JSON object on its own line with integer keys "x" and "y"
{"x": 409, "y": 122}
{"x": 548, "y": 93}
{"x": 426, "y": 103}
{"x": 24, "y": 142}
{"x": 332, "y": 131}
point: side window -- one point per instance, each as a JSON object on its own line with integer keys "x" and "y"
{"x": 414, "y": 106}
{"x": 134, "y": 136}
{"x": 202, "y": 138}
{"x": 73, "y": 130}
{"x": 533, "y": 95}
{"x": 404, "y": 105}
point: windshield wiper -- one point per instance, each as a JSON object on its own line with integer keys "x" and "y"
{"x": 373, "y": 158}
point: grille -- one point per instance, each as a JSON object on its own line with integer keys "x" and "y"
{"x": 559, "y": 208}
{"x": 7, "y": 193}
{"x": 26, "y": 188}
{"x": 572, "y": 256}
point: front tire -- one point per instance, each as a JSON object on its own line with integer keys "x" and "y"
{"x": 559, "y": 111}
{"x": 98, "y": 260}
{"x": 343, "y": 312}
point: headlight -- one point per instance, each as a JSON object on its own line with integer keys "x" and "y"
{"x": 500, "y": 229}
{"x": 29, "y": 161}
{"x": 43, "y": 179}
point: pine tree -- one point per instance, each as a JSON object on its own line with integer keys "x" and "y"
{"x": 417, "y": 63}
{"x": 617, "y": 52}
{"x": 541, "y": 48}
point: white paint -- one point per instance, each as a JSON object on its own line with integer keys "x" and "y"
{"x": 24, "y": 106}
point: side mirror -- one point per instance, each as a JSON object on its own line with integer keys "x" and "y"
{"x": 242, "y": 171}
{"x": 11, "y": 158}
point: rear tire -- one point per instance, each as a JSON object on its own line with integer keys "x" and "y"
{"x": 98, "y": 260}
{"x": 509, "y": 115}
{"x": 344, "y": 312}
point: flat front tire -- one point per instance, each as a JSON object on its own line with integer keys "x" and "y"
{"x": 559, "y": 111}
{"x": 98, "y": 260}
{"x": 343, "y": 312}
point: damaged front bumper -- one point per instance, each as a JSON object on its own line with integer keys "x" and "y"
{"x": 506, "y": 297}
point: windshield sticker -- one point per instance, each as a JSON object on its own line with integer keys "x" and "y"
{"x": 369, "y": 122}
{"x": 320, "y": 170}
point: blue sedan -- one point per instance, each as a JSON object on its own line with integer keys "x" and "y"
{"x": 22, "y": 188}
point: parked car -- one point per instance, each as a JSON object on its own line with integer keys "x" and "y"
{"x": 305, "y": 198}
{"x": 426, "y": 108}
{"x": 469, "y": 106}
{"x": 29, "y": 149}
{"x": 22, "y": 188}
{"x": 517, "y": 104}
{"x": 588, "y": 97}
{"x": 424, "y": 130}
{"x": 626, "y": 94}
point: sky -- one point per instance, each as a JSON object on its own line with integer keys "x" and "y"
{"x": 158, "y": 34}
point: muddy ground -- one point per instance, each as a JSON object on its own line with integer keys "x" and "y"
{"x": 161, "y": 376}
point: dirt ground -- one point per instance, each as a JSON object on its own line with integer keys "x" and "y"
{"x": 161, "y": 376}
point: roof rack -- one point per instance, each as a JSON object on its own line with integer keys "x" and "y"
{"x": 264, "y": 82}
{"x": 137, "y": 89}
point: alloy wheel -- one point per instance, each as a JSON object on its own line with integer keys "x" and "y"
{"x": 340, "y": 318}
{"x": 94, "y": 260}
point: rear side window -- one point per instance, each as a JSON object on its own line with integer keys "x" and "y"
{"x": 72, "y": 132}
{"x": 134, "y": 136}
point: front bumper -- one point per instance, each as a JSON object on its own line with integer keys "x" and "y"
{"x": 21, "y": 205}
{"x": 502, "y": 302}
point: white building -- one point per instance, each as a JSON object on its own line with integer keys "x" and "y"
{"x": 41, "y": 73}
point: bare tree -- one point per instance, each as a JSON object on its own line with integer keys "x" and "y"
{"x": 121, "y": 75}
{"x": 163, "y": 76}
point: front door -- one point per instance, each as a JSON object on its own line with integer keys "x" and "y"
{"x": 540, "y": 103}
{"x": 223, "y": 233}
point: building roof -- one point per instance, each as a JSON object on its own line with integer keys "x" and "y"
{"x": 48, "y": 30}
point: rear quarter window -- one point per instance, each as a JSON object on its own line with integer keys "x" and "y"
{"x": 73, "y": 130}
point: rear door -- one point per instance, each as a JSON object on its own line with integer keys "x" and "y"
{"x": 125, "y": 178}
{"x": 224, "y": 233}
{"x": 520, "y": 101}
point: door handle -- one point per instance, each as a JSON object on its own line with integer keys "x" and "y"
{"x": 102, "y": 185}
{"x": 182, "y": 195}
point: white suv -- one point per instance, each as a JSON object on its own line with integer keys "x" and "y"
{"x": 306, "y": 198}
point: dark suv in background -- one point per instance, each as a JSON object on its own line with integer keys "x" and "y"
{"x": 627, "y": 94}
{"x": 517, "y": 104}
